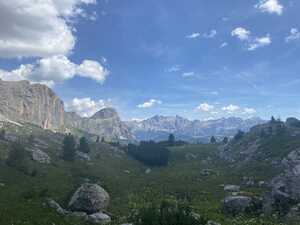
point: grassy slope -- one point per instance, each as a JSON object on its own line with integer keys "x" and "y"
{"x": 22, "y": 197}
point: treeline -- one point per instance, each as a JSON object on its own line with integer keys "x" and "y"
{"x": 150, "y": 153}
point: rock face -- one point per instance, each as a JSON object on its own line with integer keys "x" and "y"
{"x": 105, "y": 123}
{"x": 34, "y": 103}
{"x": 159, "y": 127}
{"x": 89, "y": 198}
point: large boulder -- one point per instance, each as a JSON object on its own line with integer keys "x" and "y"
{"x": 236, "y": 205}
{"x": 89, "y": 198}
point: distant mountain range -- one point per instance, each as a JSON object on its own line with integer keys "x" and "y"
{"x": 159, "y": 127}
{"x": 37, "y": 104}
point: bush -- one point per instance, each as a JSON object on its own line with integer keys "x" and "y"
{"x": 83, "y": 145}
{"x": 16, "y": 156}
{"x": 150, "y": 153}
{"x": 167, "y": 212}
{"x": 69, "y": 148}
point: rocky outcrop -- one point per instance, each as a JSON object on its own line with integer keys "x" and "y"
{"x": 105, "y": 123}
{"x": 33, "y": 103}
{"x": 236, "y": 205}
{"x": 89, "y": 198}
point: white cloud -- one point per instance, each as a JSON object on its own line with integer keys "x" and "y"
{"x": 231, "y": 108}
{"x": 56, "y": 69}
{"x": 294, "y": 35}
{"x": 241, "y": 33}
{"x": 174, "y": 68}
{"x": 249, "y": 111}
{"x": 38, "y": 28}
{"x": 150, "y": 103}
{"x": 223, "y": 45}
{"x": 211, "y": 34}
{"x": 193, "y": 35}
{"x": 86, "y": 107}
{"x": 205, "y": 107}
{"x": 270, "y": 6}
{"x": 188, "y": 74}
{"x": 259, "y": 42}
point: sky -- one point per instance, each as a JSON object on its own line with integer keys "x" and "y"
{"x": 196, "y": 58}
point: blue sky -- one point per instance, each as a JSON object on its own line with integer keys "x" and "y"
{"x": 198, "y": 59}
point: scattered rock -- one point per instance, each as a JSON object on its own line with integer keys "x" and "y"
{"x": 54, "y": 205}
{"x": 211, "y": 222}
{"x": 148, "y": 171}
{"x": 127, "y": 171}
{"x": 40, "y": 156}
{"x": 83, "y": 156}
{"x": 89, "y": 198}
{"x": 99, "y": 218}
{"x": 232, "y": 188}
{"x": 248, "y": 181}
{"x": 190, "y": 156}
{"x": 236, "y": 205}
{"x": 2, "y": 185}
{"x": 206, "y": 172}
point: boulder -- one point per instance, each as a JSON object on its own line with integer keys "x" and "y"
{"x": 236, "y": 205}
{"x": 89, "y": 198}
{"x": 99, "y": 218}
{"x": 54, "y": 205}
{"x": 232, "y": 188}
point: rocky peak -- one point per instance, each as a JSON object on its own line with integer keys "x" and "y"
{"x": 106, "y": 113}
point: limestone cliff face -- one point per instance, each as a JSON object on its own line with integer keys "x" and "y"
{"x": 34, "y": 103}
{"x": 105, "y": 123}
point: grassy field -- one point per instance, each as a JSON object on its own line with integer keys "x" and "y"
{"x": 23, "y": 196}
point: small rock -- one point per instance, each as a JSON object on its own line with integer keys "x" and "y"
{"x": 211, "y": 222}
{"x": 2, "y": 185}
{"x": 83, "y": 156}
{"x": 235, "y": 205}
{"x": 54, "y": 205}
{"x": 99, "y": 218}
{"x": 232, "y": 188}
{"x": 148, "y": 171}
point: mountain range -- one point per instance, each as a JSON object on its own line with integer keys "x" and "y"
{"x": 159, "y": 127}
{"x": 23, "y": 102}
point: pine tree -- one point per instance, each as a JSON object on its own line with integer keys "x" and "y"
{"x": 83, "y": 145}
{"x": 69, "y": 148}
{"x": 102, "y": 139}
{"x": 225, "y": 140}
{"x": 171, "y": 140}
{"x": 98, "y": 139}
{"x": 16, "y": 156}
{"x": 213, "y": 140}
{"x": 2, "y": 134}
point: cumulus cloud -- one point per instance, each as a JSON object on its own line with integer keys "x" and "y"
{"x": 86, "y": 107}
{"x": 174, "y": 68}
{"x": 193, "y": 35}
{"x": 241, "y": 33}
{"x": 252, "y": 43}
{"x": 205, "y": 107}
{"x": 150, "y": 103}
{"x": 270, "y": 6}
{"x": 56, "y": 69}
{"x": 231, "y": 108}
{"x": 223, "y": 45}
{"x": 259, "y": 42}
{"x": 294, "y": 35}
{"x": 211, "y": 34}
{"x": 188, "y": 74}
{"x": 249, "y": 111}
{"x": 40, "y": 28}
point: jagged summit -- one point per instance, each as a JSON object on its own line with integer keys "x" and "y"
{"x": 105, "y": 113}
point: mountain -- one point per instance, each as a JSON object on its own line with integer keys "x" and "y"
{"x": 159, "y": 127}
{"x": 34, "y": 103}
{"x": 23, "y": 102}
{"x": 104, "y": 123}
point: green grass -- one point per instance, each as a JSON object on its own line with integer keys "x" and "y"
{"x": 22, "y": 198}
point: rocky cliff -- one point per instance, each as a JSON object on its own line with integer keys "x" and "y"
{"x": 105, "y": 123}
{"x": 33, "y": 103}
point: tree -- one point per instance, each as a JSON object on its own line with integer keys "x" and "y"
{"x": 69, "y": 148}
{"x": 98, "y": 139}
{"x": 83, "y": 145}
{"x": 16, "y": 156}
{"x": 171, "y": 140}
{"x": 273, "y": 119}
{"x": 225, "y": 140}
{"x": 239, "y": 135}
{"x": 102, "y": 139}
{"x": 213, "y": 140}
{"x": 2, "y": 134}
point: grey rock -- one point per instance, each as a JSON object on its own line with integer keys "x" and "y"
{"x": 148, "y": 171}
{"x": 235, "y": 205}
{"x": 211, "y": 222}
{"x": 89, "y": 198}
{"x": 54, "y": 205}
{"x": 232, "y": 188}
{"x": 40, "y": 156}
{"x": 99, "y": 218}
{"x": 33, "y": 103}
{"x": 83, "y": 156}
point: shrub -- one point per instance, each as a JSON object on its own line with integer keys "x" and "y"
{"x": 17, "y": 156}
{"x": 166, "y": 212}
{"x": 69, "y": 148}
{"x": 83, "y": 145}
